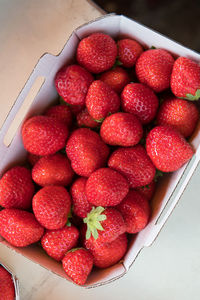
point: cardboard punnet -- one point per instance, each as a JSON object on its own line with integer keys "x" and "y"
{"x": 170, "y": 187}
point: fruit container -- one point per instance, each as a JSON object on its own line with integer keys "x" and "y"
{"x": 15, "y": 280}
{"x": 40, "y": 88}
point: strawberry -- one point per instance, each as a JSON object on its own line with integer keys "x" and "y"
{"x": 106, "y": 187}
{"x": 85, "y": 120}
{"x": 154, "y": 68}
{"x": 19, "y": 227}
{"x": 60, "y": 112}
{"x": 86, "y": 151}
{"x": 81, "y": 206}
{"x": 116, "y": 78}
{"x": 128, "y": 52}
{"x": 185, "y": 78}
{"x": 140, "y": 100}
{"x": 167, "y": 148}
{"x": 44, "y": 135}
{"x": 72, "y": 83}
{"x": 135, "y": 211}
{"x": 179, "y": 113}
{"x": 103, "y": 225}
{"x": 108, "y": 254}
{"x": 121, "y": 129}
{"x": 101, "y": 100}
{"x": 16, "y": 188}
{"x": 97, "y": 52}
{"x": 51, "y": 206}
{"x": 57, "y": 242}
{"x": 78, "y": 264}
{"x": 134, "y": 164}
{"x": 7, "y": 288}
{"x": 53, "y": 170}
{"x": 148, "y": 190}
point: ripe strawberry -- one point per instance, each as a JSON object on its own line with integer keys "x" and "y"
{"x": 19, "y": 227}
{"x": 44, "y": 135}
{"x": 97, "y": 52}
{"x": 51, "y": 206}
{"x": 103, "y": 225}
{"x": 134, "y": 164}
{"x": 167, "y": 148}
{"x": 72, "y": 83}
{"x": 108, "y": 254}
{"x": 60, "y": 112}
{"x": 121, "y": 129}
{"x": 128, "y": 52}
{"x": 185, "y": 79}
{"x": 7, "y": 288}
{"x": 85, "y": 120}
{"x": 86, "y": 151}
{"x": 106, "y": 187}
{"x": 32, "y": 158}
{"x": 78, "y": 264}
{"x": 140, "y": 100}
{"x": 101, "y": 100}
{"x": 116, "y": 78}
{"x": 57, "y": 242}
{"x": 81, "y": 206}
{"x": 148, "y": 190}
{"x": 16, "y": 188}
{"x": 181, "y": 114}
{"x": 53, "y": 170}
{"x": 154, "y": 68}
{"x": 135, "y": 211}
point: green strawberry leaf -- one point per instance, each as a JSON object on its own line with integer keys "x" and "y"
{"x": 191, "y": 97}
{"x": 117, "y": 63}
{"x": 93, "y": 221}
{"x": 158, "y": 174}
{"x": 99, "y": 121}
{"x": 153, "y": 47}
{"x": 63, "y": 102}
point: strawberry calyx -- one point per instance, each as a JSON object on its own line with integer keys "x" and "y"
{"x": 158, "y": 174}
{"x": 99, "y": 121}
{"x": 191, "y": 97}
{"x": 74, "y": 249}
{"x": 93, "y": 221}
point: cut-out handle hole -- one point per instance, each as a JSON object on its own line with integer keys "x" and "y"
{"x": 23, "y": 110}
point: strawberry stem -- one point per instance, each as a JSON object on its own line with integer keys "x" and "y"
{"x": 93, "y": 221}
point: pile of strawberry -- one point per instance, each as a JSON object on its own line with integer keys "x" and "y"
{"x": 124, "y": 114}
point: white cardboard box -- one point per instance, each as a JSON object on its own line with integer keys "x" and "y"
{"x": 40, "y": 86}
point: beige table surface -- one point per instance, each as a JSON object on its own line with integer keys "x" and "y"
{"x": 170, "y": 268}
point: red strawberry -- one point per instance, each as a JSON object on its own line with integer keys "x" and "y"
{"x": 135, "y": 211}
{"x": 101, "y": 100}
{"x": 32, "y": 158}
{"x": 103, "y": 225}
{"x": 72, "y": 83}
{"x": 134, "y": 164}
{"x": 167, "y": 148}
{"x": 97, "y": 52}
{"x": 7, "y": 288}
{"x": 86, "y": 151}
{"x": 108, "y": 254}
{"x": 185, "y": 79}
{"x": 154, "y": 68}
{"x": 57, "y": 242}
{"x": 53, "y": 170}
{"x": 121, "y": 129}
{"x": 116, "y": 78}
{"x": 140, "y": 100}
{"x": 19, "y": 227}
{"x": 60, "y": 112}
{"x": 106, "y": 187}
{"x": 81, "y": 206}
{"x": 85, "y": 120}
{"x": 181, "y": 114}
{"x": 16, "y": 188}
{"x": 44, "y": 135}
{"x": 51, "y": 206}
{"x": 78, "y": 264}
{"x": 148, "y": 190}
{"x": 128, "y": 52}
